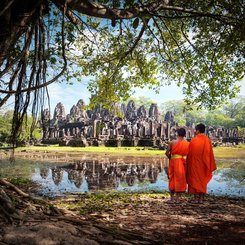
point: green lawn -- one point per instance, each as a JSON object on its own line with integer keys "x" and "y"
{"x": 220, "y": 152}
{"x": 95, "y": 149}
{"x": 230, "y": 152}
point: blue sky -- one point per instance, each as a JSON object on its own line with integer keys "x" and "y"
{"x": 68, "y": 95}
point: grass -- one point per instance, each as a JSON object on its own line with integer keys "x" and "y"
{"x": 20, "y": 181}
{"x": 107, "y": 202}
{"x": 141, "y": 151}
{"x": 230, "y": 152}
{"x": 219, "y": 152}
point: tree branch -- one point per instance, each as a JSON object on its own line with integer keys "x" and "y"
{"x": 6, "y": 7}
{"x": 94, "y": 9}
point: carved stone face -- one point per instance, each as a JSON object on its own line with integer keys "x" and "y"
{"x": 46, "y": 114}
{"x": 81, "y": 104}
{"x": 169, "y": 116}
{"x": 59, "y": 111}
{"x": 141, "y": 113}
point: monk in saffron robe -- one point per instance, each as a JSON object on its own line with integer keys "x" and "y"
{"x": 176, "y": 152}
{"x": 200, "y": 164}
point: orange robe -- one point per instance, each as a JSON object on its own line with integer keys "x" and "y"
{"x": 200, "y": 164}
{"x": 177, "y": 169}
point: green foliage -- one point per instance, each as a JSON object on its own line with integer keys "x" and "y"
{"x": 235, "y": 110}
{"x": 141, "y": 100}
{"x": 197, "y": 44}
{"x": 26, "y": 135}
{"x": 109, "y": 65}
{"x": 197, "y": 53}
{"x": 231, "y": 114}
{"x": 217, "y": 118}
{"x": 6, "y": 126}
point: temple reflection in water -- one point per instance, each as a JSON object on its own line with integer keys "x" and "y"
{"x": 103, "y": 174}
{"x": 120, "y": 173}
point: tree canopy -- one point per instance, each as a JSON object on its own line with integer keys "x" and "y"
{"x": 232, "y": 114}
{"x": 122, "y": 44}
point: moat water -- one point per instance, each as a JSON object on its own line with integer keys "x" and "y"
{"x": 123, "y": 174}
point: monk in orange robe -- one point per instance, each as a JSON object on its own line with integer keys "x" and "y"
{"x": 176, "y": 152}
{"x": 200, "y": 164}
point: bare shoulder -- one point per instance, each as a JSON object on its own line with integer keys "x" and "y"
{"x": 173, "y": 142}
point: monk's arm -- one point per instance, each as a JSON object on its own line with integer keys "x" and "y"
{"x": 168, "y": 151}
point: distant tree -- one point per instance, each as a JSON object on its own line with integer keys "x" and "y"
{"x": 142, "y": 100}
{"x": 240, "y": 119}
{"x": 24, "y": 136}
{"x": 29, "y": 135}
{"x": 5, "y": 126}
{"x": 235, "y": 109}
{"x": 231, "y": 114}
{"x": 218, "y": 118}
{"x": 178, "y": 109}
{"x": 176, "y": 106}
{"x": 195, "y": 116}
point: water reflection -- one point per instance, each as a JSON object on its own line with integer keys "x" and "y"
{"x": 118, "y": 173}
{"x": 95, "y": 175}
{"x": 44, "y": 172}
{"x": 228, "y": 182}
{"x": 105, "y": 174}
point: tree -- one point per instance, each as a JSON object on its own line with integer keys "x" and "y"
{"x": 232, "y": 114}
{"x": 124, "y": 44}
{"x": 235, "y": 109}
{"x": 5, "y": 126}
{"x": 218, "y": 118}
{"x": 26, "y": 134}
{"x": 177, "y": 107}
{"x": 142, "y": 100}
{"x": 182, "y": 113}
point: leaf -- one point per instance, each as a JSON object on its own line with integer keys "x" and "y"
{"x": 53, "y": 60}
{"x": 136, "y": 23}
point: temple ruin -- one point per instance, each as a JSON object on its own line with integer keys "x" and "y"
{"x": 122, "y": 125}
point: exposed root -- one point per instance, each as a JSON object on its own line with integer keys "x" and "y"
{"x": 10, "y": 203}
{"x": 13, "y": 187}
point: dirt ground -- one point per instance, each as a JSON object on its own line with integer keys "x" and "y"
{"x": 149, "y": 220}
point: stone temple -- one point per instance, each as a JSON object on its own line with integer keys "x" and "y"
{"x": 122, "y": 125}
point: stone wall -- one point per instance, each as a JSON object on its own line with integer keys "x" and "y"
{"x": 127, "y": 126}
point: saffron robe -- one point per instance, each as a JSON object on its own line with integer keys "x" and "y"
{"x": 177, "y": 168}
{"x": 200, "y": 164}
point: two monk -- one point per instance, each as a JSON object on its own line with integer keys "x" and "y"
{"x": 200, "y": 164}
{"x": 196, "y": 171}
{"x": 176, "y": 152}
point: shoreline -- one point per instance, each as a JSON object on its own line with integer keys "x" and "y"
{"x": 219, "y": 152}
